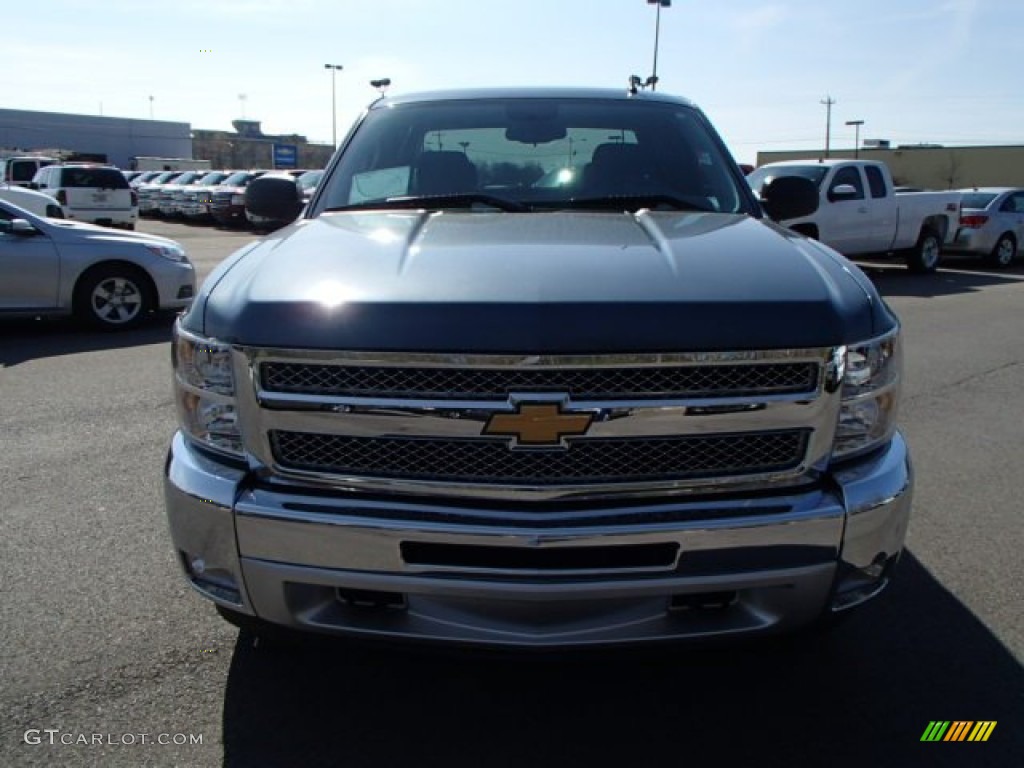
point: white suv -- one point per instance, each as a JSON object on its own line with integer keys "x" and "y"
{"x": 98, "y": 194}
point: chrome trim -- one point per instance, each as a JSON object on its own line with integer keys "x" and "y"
{"x": 259, "y": 412}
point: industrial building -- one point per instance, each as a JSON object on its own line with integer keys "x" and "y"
{"x": 118, "y": 140}
{"x": 932, "y": 167}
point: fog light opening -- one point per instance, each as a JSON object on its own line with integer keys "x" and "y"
{"x": 858, "y": 585}
{"x": 215, "y": 583}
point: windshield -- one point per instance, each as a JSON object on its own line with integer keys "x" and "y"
{"x": 240, "y": 178}
{"x": 212, "y": 179}
{"x": 758, "y": 178}
{"x": 543, "y": 153}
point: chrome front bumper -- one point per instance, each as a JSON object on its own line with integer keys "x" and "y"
{"x": 566, "y": 576}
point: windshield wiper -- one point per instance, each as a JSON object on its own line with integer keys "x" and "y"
{"x": 655, "y": 201}
{"x": 414, "y": 202}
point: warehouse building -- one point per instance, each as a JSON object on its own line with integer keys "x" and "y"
{"x": 932, "y": 167}
{"x": 117, "y": 139}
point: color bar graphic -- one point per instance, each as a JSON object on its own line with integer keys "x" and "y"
{"x": 958, "y": 730}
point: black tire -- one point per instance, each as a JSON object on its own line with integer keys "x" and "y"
{"x": 113, "y": 297}
{"x": 924, "y": 256}
{"x": 1004, "y": 252}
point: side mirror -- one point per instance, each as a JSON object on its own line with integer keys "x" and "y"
{"x": 17, "y": 227}
{"x": 789, "y": 197}
{"x": 273, "y": 197}
{"x": 842, "y": 192}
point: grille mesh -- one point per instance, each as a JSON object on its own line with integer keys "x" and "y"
{"x": 586, "y": 461}
{"x": 694, "y": 381}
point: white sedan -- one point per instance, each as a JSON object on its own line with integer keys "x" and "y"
{"x": 108, "y": 278}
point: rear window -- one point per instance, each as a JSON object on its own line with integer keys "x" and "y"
{"x": 101, "y": 178}
{"x": 976, "y": 200}
{"x": 24, "y": 170}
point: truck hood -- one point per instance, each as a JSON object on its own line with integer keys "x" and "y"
{"x": 557, "y": 282}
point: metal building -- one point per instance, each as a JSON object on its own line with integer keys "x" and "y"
{"x": 118, "y": 138}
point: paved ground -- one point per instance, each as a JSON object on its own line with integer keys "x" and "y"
{"x": 101, "y": 636}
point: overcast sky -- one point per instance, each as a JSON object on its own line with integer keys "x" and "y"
{"x": 915, "y": 71}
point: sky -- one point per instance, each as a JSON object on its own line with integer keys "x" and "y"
{"x": 915, "y": 71}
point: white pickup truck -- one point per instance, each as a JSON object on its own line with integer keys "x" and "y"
{"x": 860, "y": 214}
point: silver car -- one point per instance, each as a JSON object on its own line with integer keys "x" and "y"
{"x": 991, "y": 224}
{"x": 110, "y": 279}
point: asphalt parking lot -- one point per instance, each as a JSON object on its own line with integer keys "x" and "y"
{"x": 101, "y": 636}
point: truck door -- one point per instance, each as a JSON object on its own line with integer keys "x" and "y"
{"x": 845, "y": 217}
{"x": 881, "y": 223}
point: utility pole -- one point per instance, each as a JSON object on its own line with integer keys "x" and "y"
{"x": 828, "y": 101}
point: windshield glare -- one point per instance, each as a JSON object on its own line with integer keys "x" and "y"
{"x": 539, "y": 152}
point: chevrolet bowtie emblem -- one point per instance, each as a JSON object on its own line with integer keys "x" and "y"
{"x": 542, "y": 424}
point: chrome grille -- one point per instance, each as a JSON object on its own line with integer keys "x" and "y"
{"x": 591, "y": 461}
{"x": 681, "y": 381}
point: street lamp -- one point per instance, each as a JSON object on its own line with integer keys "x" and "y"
{"x": 653, "y": 80}
{"x": 334, "y": 103}
{"x": 856, "y": 140}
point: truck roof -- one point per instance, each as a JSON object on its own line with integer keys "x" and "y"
{"x": 530, "y": 93}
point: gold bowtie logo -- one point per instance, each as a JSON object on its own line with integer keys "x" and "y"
{"x": 538, "y": 424}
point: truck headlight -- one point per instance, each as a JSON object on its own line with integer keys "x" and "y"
{"x": 204, "y": 389}
{"x": 872, "y": 377}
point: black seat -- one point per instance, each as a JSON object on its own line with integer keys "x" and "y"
{"x": 443, "y": 173}
{"x": 620, "y": 169}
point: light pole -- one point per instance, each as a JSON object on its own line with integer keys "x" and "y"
{"x": 334, "y": 103}
{"x": 828, "y": 102}
{"x": 856, "y": 136}
{"x": 657, "y": 31}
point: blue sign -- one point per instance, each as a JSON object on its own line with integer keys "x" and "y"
{"x": 286, "y": 156}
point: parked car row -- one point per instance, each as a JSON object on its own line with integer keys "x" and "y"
{"x": 216, "y": 197}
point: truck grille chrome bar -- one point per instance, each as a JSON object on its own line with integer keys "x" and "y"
{"x": 417, "y": 423}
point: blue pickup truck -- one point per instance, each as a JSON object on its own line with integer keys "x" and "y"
{"x": 534, "y": 368}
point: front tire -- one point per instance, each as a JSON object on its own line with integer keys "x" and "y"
{"x": 924, "y": 257}
{"x": 1004, "y": 252}
{"x": 113, "y": 297}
